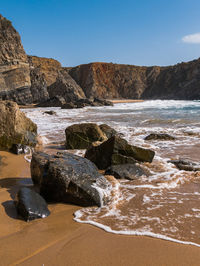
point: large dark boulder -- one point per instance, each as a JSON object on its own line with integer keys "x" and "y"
{"x": 30, "y": 205}
{"x": 116, "y": 147}
{"x": 159, "y": 136}
{"x": 69, "y": 178}
{"x": 126, "y": 171}
{"x": 81, "y": 136}
{"x": 15, "y": 127}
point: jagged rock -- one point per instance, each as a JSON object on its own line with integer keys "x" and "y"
{"x": 56, "y": 101}
{"x": 69, "y": 178}
{"x": 81, "y": 136}
{"x": 30, "y": 205}
{"x": 185, "y": 165}
{"x": 125, "y": 171}
{"x": 103, "y": 102}
{"x": 66, "y": 87}
{"x": 160, "y": 136}
{"x": 117, "y": 151}
{"x": 50, "y": 112}
{"x": 14, "y": 67}
{"x": 108, "y": 131}
{"x": 15, "y": 127}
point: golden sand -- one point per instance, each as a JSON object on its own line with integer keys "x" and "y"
{"x": 58, "y": 240}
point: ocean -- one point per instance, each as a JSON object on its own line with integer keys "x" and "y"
{"x": 166, "y": 203}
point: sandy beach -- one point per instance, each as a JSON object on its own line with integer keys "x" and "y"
{"x": 125, "y": 101}
{"x": 58, "y": 240}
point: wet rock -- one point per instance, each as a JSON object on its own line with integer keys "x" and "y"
{"x": 56, "y": 101}
{"x": 81, "y": 136}
{"x": 30, "y": 205}
{"x": 50, "y": 112}
{"x": 69, "y": 106}
{"x": 185, "y": 165}
{"x": 69, "y": 178}
{"x": 103, "y": 102}
{"x": 20, "y": 149}
{"x": 117, "y": 151}
{"x": 108, "y": 131}
{"x": 161, "y": 136}
{"x": 125, "y": 171}
{"x": 15, "y": 127}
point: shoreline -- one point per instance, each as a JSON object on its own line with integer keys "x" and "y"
{"x": 57, "y": 238}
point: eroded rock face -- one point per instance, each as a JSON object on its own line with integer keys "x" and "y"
{"x": 15, "y": 127}
{"x": 107, "y": 80}
{"x": 81, "y": 136}
{"x": 69, "y": 178}
{"x": 14, "y": 67}
{"x": 116, "y": 151}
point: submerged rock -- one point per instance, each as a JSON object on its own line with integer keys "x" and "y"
{"x": 125, "y": 171}
{"x": 30, "y": 205}
{"x": 50, "y": 112}
{"x": 69, "y": 178}
{"x": 15, "y": 127}
{"x": 185, "y": 165}
{"x": 81, "y": 136}
{"x": 160, "y": 136}
{"x": 117, "y": 151}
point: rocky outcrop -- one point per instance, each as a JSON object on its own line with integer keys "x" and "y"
{"x": 69, "y": 178}
{"x": 14, "y": 66}
{"x": 117, "y": 151}
{"x": 15, "y": 127}
{"x": 107, "y": 80}
{"x": 30, "y": 205}
{"x": 81, "y": 136}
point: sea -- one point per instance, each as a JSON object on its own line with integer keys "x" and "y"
{"x": 166, "y": 203}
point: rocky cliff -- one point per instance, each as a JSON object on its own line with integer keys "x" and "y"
{"x": 107, "y": 80}
{"x": 31, "y": 79}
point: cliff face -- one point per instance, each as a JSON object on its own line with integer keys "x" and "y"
{"x": 14, "y": 67}
{"x": 30, "y": 79}
{"x": 108, "y": 80}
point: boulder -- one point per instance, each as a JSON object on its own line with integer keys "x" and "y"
{"x": 108, "y": 131}
{"x": 160, "y": 136}
{"x": 125, "y": 171}
{"x": 30, "y": 205}
{"x": 81, "y": 136}
{"x": 103, "y": 102}
{"x": 68, "y": 106}
{"x": 69, "y": 178}
{"x": 185, "y": 165}
{"x": 117, "y": 151}
{"x": 15, "y": 127}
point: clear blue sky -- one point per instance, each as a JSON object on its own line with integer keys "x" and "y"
{"x": 140, "y": 32}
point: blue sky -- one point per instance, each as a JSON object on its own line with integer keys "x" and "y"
{"x": 142, "y": 32}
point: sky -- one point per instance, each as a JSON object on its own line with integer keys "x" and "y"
{"x": 136, "y": 32}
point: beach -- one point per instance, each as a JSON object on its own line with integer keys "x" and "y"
{"x": 59, "y": 240}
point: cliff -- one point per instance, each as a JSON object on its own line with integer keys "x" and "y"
{"x": 31, "y": 79}
{"x": 14, "y": 66}
{"x": 107, "y": 80}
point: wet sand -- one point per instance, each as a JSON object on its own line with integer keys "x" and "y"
{"x": 58, "y": 240}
